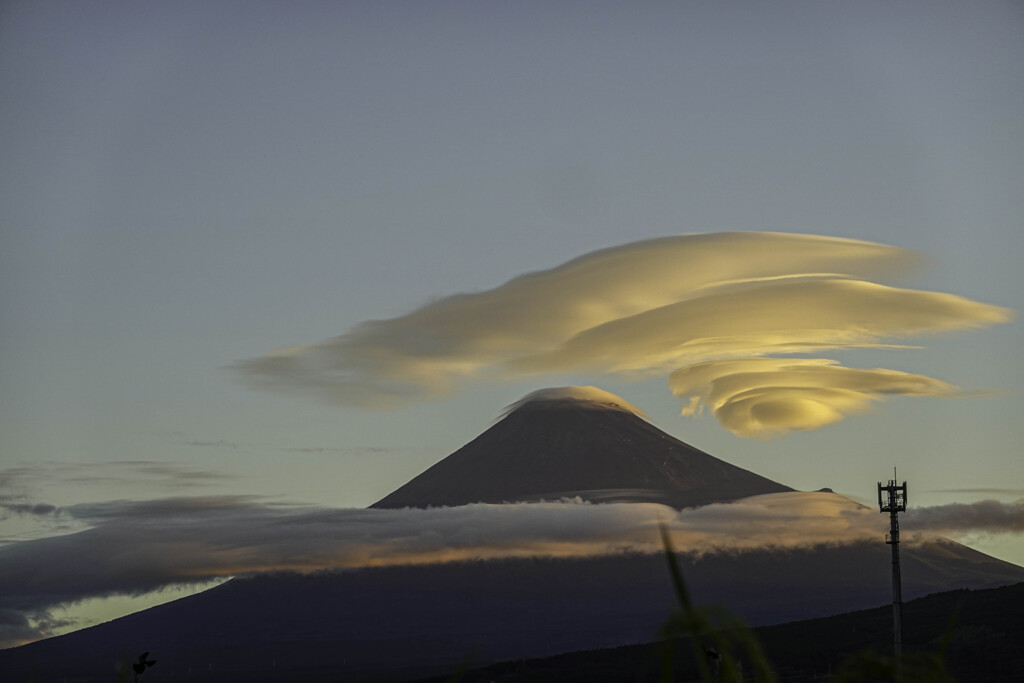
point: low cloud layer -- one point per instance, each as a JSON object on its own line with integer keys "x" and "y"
{"x": 27, "y": 479}
{"x": 643, "y": 308}
{"x": 28, "y": 491}
{"x": 136, "y": 547}
{"x": 986, "y": 516}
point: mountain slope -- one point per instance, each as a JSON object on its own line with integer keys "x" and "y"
{"x": 392, "y": 622}
{"x": 565, "y": 442}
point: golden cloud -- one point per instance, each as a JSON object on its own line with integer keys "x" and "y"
{"x": 641, "y": 308}
{"x": 759, "y": 318}
{"x": 763, "y": 397}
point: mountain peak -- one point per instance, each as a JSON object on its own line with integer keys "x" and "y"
{"x": 568, "y": 442}
{"x": 553, "y": 398}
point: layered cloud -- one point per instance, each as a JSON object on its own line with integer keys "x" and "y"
{"x": 135, "y": 547}
{"x": 647, "y": 307}
{"x": 128, "y": 474}
{"x": 28, "y": 491}
{"x": 986, "y": 516}
{"x": 764, "y": 397}
{"x": 793, "y": 315}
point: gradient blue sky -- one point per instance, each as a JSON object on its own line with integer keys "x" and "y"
{"x": 187, "y": 185}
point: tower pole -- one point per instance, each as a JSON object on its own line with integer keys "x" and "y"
{"x": 897, "y": 592}
{"x": 894, "y": 502}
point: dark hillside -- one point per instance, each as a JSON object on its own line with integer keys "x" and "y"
{"x": 979, "y": 634}
{"x": 390, "y": 622}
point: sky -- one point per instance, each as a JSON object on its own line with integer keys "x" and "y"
{"x": 264, "y": 258}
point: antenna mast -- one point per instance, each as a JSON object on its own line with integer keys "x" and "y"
{"x": 895, "y": 501}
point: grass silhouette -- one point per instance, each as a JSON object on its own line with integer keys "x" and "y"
{"x": 720, "y": 642}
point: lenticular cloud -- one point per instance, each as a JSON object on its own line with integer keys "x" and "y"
{"x": 666, "y": 306}
{"x": 764, "y": 397}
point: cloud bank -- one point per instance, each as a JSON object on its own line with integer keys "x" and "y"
{"x": 154, "y": 474}
{"x": 986, "y": 516}
{"x": 137, "y": 547}
{"x": 650, "y": 307}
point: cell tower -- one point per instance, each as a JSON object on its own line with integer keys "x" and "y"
{"x": 894, "y": 502}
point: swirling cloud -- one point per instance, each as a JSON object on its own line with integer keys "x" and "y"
{"x": 637, "y": 309}
{"x": 763, "y": 397}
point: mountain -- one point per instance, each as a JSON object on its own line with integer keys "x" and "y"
{"x": 393, "y": 623}
{"x": 578, "y": 441}
{"x": 399, "y": 622}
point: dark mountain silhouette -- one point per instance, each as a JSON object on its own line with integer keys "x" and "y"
{"x": 391, "y": 623}
{"x": 578, "y": 441}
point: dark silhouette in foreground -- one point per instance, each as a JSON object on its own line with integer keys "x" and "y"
{"x": 962, "y": 635}
{"x": 140, "y": 666}
{"x": 390, "y": 623}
